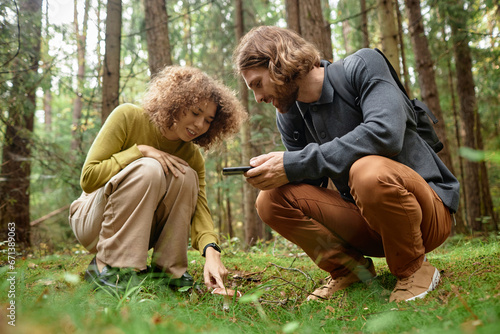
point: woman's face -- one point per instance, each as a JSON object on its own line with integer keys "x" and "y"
{"x": 193, "y": 122}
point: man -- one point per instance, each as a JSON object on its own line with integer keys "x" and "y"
{"x": 391, "y": 195}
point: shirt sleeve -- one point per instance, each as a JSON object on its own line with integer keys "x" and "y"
{"x": 381, "y": 132}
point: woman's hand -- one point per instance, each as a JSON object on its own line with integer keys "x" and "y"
{"x": 168, "y": 161}
{"x": 214, "y": 273}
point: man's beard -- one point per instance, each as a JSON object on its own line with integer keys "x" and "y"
{"x": 285, "y": 96}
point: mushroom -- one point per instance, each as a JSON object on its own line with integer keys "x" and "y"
{"x": 226, "y": 292}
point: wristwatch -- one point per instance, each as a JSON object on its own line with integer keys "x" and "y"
{"x": 214, "y": 245}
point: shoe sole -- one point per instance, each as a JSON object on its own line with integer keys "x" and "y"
{"x": 434, "y": 283}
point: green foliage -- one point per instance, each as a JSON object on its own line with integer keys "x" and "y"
{"x": 477, "y": 156}
{"x": 275, "y": 279}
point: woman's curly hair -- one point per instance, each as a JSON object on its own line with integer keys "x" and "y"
{"x": 283, "y": 52}
{"x": 175, "y": 89}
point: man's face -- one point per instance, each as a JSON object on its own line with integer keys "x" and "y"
{"x": 282, "y": 97}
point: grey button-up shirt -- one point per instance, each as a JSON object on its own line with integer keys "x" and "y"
{"x": 324, "y": 138}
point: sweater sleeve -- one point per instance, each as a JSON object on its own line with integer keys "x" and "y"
{"x": 106, "y": 156}
{"x": 202, "y": 225}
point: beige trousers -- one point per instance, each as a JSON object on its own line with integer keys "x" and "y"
{"x": 138, "y": 209}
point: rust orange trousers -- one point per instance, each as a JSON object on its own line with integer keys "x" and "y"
{"x": 397, "y": 215}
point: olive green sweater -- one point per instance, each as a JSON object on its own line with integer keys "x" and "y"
{"x": 116, "y": 146}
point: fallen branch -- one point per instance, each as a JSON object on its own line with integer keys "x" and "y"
{"x": 49, "y": 215}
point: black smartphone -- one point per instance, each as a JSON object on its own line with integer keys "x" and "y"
{"x": 235, "y": 170}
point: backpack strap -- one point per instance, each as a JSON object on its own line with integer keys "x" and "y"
{"x": 336, "y": 75}
{"x": 416, "y": 103}
{"x": 419, "y": 104}
{"x": 395, "y": 76}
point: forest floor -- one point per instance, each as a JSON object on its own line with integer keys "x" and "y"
{"x": 44, "y": 292}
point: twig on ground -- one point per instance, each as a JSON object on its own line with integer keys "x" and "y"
{"x": 279, "y": 302}
{"x": 463, "y": 301}
{"x": 295, "y": 269}
{"x": 296, "y": 286}
{"x": 485, "y": 269}
{"x": 248, "y": 275}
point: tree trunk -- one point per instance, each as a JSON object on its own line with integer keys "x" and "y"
{"x": 16, "y": 154}
{"x": 47, "y": 108}
{"x": 406, "y": 76}
{"x": 349, "y": 46}
{"x": 426, "y": 74}
{"x": 47, "y": 77}
{"x": 467, "y": 99}
{"x": 253, "y": 224}
{"x": 389, "y": 32}
{"x": 292, "y": 15}
{"x": 81, "y": 44}
{"x": 364, "y": 24}
{"x": 460, "y": 226}
{"x": 311, "y": 24}
{"x": 428, "y": 87}
{"x": 111, "y": 70}
{"x": 157, "y": 35}
{"x": 488, "y": 211}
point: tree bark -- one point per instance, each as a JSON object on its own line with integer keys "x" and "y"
{"x": 16, "y": 154}
{"x": 405, "y": 75}
{"x": 349, "y": 46}
{"x": 428, "y": 86}
{"x": 81, "y": 44}
{"x": 111, "y": 70}
{"x": 467, "y": 100}
{"x": 311, "y": 24}
{"x": 389, "y": 32}
{"x": 157, "y": 35}
{"x": 254, "y": 229}
{"x": 426, "y": 74}
{"x": 292, "y": 15}
{"x": 364, "y": 24}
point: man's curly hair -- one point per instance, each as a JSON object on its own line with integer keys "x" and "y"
{"x": 175, "y": 89}
{"x": 283, "y": 52}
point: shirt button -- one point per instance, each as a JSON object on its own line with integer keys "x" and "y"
{"x": 323, "y": 134}
{"x": 314, "y": 108}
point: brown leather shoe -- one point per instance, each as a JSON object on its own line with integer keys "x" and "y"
{"x": 417, "y": 285}
{"x": 360, "y": 274}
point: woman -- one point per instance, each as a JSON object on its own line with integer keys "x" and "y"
{"x": 143, "y": 182}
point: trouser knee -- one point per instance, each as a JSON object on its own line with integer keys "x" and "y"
{"x": 265, "y": 205}
{"x": 366, "y": 177}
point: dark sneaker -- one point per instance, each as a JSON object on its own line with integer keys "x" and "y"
{"x": 113, "y": 278}
{"x": 360, "y": 274}
{"x": 185, "y": 280}
{"x": 417, "y": 285}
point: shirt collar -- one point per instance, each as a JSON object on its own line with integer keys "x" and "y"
{"x": 326, "y": 91}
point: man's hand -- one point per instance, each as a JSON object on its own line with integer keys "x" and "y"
{"x": 268, "y": 172}
{"x": 169, "y": 162}
{"x": 214, "y": 272}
